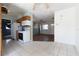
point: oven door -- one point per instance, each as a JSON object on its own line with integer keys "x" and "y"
{"x": 21, "y": 36}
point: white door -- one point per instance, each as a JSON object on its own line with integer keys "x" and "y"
{"x": 65, "y": 26}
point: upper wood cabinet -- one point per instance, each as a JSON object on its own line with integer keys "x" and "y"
{"x": 23, "y": 19}
{"x": 4, "y": 10}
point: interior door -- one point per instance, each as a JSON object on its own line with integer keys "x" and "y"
{"x": 65, "y": 26}
{"x": 0, "y": 32}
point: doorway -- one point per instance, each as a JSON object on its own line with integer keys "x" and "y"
{"x": 43, "y": 23}
{"x": 43, "y": 31}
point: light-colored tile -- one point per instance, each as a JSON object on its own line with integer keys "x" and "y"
{"x": 38, "y": 48}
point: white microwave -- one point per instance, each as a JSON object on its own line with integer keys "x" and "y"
{"x": 27, "y": 22}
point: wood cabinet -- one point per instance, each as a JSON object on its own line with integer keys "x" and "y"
{"x": 23, "y": 19}
{"x": 0, "y": 32}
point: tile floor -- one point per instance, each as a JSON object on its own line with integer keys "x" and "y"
{"x": 38, "y": 48}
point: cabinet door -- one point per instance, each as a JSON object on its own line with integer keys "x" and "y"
{"x": 65, "y": 26}
{"x": 0, "y": 32}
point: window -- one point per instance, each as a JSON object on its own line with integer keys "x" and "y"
{"x": 45, "y": 27}
{"x": 7, "y": 27}
{"x": 52, "y": 24}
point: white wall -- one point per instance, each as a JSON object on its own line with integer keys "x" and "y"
{"x": 14, "y": 28}
{"x": 65, "y": 26}
{"x": 77, "y": 28}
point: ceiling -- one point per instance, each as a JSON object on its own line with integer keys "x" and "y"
{"x": 40, "y": 11}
